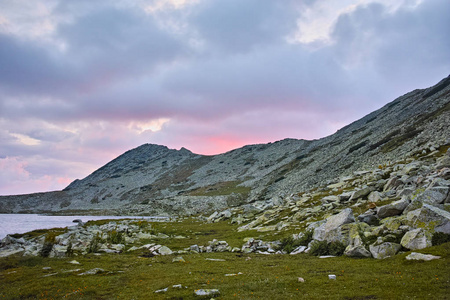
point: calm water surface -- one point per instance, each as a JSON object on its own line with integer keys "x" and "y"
{"x": 21, "y": 223}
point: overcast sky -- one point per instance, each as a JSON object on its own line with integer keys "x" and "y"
{"x": 83, "y": 81}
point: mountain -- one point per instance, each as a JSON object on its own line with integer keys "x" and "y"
{"x": 153, "y": 179}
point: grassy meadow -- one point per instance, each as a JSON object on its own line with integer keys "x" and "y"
{"x": 237, "y": 276}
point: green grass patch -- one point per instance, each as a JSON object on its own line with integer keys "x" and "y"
{"x": 263, "y": 277}
{"x": 221, "y": 189}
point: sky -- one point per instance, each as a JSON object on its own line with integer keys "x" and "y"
{"x": 83, "y": 81}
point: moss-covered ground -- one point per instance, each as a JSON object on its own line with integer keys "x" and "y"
{"x": 257, "y": 276}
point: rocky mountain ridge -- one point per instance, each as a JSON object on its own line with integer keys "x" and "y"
{"x": 155, "y": 180}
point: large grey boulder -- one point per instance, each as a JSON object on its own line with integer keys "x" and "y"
{"x": 384, "y": 250}
{"x": 434, "y": 195}
{"x": 393, "y": 209}
{"x": 357, "y": 251}
{"x": 416, "y": 239}
{"x": 361, "y": 193}
{"x": 430, "y": 218}
{"x": 330, "y": 230}
{"x": 165, "y": 250}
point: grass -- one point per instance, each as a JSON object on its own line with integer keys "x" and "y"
{"x": 222, "y": 189}
{"x": 127, "y": 276}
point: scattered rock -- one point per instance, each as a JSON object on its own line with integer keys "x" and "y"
{"x": 328, "y": 230}
{"x": 416, "y": 239}
{"x": 178, "y": 259}
{"x": 434, "y": 195}
{"x": 420, "y": 256}
{"x": 332, "y": 277}
{"x": 384, "y": 250}
{"x": 162, "y": 290}
{"x": 300, "y": 279}
{"x": 357, "y": 251}
{"x": 393, "y": 209}
{"x": 93, "y": 272}
{"x": 298, "y": 250}
{"x": 207, "y": 292}
{"x": 215, "y": 259}
{"x": 165, "y": 250}
{"x": 234, "y": 274}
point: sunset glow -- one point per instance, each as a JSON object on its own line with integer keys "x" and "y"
{"x": 82, "y": 82}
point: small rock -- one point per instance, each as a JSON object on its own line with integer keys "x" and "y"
{"x": 300, "y": 279}
{"x": 420, "y": 256}
{"x": 298, "y": 250}
{"x": 92, "y": 272}
{"x": 333, "y": 277}
{"x": 234, "y": 274}
{"x": 74, "y": 262}
{"x": 207, "y": 292}
{"x": 178, "y": 259}
{"x": 162, "y": 290}
{"x": 165, "y": 250}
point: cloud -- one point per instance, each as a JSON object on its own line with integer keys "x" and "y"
{"x": 240, "y": 26}
{"x": 82, "y": 82}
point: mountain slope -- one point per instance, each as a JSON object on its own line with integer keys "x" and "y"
{"x": 153, "y": 179}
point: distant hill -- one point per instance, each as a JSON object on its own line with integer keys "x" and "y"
{"x": 155, "y": 180}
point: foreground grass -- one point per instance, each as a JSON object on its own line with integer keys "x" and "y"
{"x": 128, "y": 276}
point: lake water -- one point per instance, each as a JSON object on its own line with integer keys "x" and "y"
{"x": 21, "y": 223}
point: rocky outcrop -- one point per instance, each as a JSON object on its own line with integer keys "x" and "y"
{"x": 155, "y": 180}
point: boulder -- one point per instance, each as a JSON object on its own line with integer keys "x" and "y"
{"x": 430, "y": 218}
{"x": 165, "y": 250}
{"x": 194, "y": 248}
{"x": 415, "y": 204}
{"x": 443, "y": 162}
{"x": 212, "y": 217}
{"x": 369, "y": 218}
{"x": 393, "y": 209}
{"x": 357, "y": 251}
{"x": 433, "y": 196}
{"x": 420, "y": 256}
{"x": 361, "y": 193}
{"x": 416, "y": 239}
{"x": 392, "y": 183}
{"x": 329, "y": 230}
{"x": 329, "y": 199}
{"x": 384, "y": 250}
{"x": 375, "y": 196}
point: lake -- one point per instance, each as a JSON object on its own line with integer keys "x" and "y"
{"x": 21, "y": 223}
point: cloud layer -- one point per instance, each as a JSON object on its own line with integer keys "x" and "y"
{"x": 80, "y": 83}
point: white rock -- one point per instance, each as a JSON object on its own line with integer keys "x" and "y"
{"x": 420, "y": 256}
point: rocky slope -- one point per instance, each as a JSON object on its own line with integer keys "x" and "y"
{"x": 377, "y": 213}
{"x": 153, "y": 179}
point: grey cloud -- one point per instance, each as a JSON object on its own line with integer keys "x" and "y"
{"x": 239, "y": 26}
{"x": 405, "y": 48}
